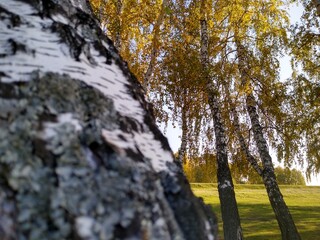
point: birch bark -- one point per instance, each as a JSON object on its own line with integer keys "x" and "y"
{"x": 243, "y": 145}
{"x": 183, "y": 146}
{"x": 282, "y": 213}
{"x": 81, "y": 156}
{"x": 229, "y": 209}
{"x": 117, "y": 41}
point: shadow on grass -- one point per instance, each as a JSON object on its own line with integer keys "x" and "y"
{"x": 259, "y": 223}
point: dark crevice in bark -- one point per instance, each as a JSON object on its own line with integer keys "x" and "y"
{"x": 121, "y": 232}
{"x": 8, "y": 208}
{"x": 69, "y": 36}
{"x": 47, "y": 157}
{"x": 149, "y": 119}
{"x": 14, "y": 19}
{"x": 9, "y": 91}
{"x": 187, "y": 211}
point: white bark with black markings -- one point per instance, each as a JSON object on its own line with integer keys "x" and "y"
{"x": 80, "y": 154}
{"x": 281, "y": 210}
{"x": 229, "y": 209}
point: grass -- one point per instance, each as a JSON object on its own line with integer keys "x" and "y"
{"x": 257, "y": 218}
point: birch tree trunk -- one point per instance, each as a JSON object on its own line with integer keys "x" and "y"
{"x": 117, "y": 42}
{"x": 282, "y": 213}
{"x": 80, "y": 154}
{"x": 183, "y": 146}
{"x": 236, "y": 123}
{"x": 102, "y": 4}
{"x": 229, "y": 209}
{"x": 155, "y": 46}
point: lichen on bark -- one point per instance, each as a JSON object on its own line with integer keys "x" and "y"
{"x": 75, "y": 162}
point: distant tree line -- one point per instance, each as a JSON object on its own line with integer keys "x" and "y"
{"x": 203, "y": 170}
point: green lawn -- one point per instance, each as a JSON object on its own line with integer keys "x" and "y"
{"x": 257, "y": 218}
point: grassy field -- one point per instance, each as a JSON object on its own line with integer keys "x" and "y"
{"x": 257, "y": 218}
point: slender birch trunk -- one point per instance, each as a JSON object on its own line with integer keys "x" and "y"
{"x": 229, "y": 209}
{"x": 244, "y": 147}
{"x": 101, "y": 9}
{"x": 117, "y": 40}
{"x": 183, "y": 146}
{"x": 283, "y": 216}
{"x": 282, "y": 213}
{"x": 155, "y": 46}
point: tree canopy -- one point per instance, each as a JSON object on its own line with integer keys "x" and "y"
{"x": 212, "y": 68}
{"x": 161, "y": 39}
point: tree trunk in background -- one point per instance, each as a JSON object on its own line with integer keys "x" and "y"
{"x": 102, "y": 4}
{"x": 283, "y": 216}
{"x": 236, "y": 123}
{"x": 117, "y": 41}
{"x": 229, "y": 209}
{"x": 183, "y": 146}
{"x": 155, "y": 46}
{"x": 282, "y": 213}
{"x": 80, "y": 154}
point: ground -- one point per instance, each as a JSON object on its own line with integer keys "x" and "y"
{"x": 257, "y": 218}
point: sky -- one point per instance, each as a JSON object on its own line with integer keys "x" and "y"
{"x": 173, "y": 134}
